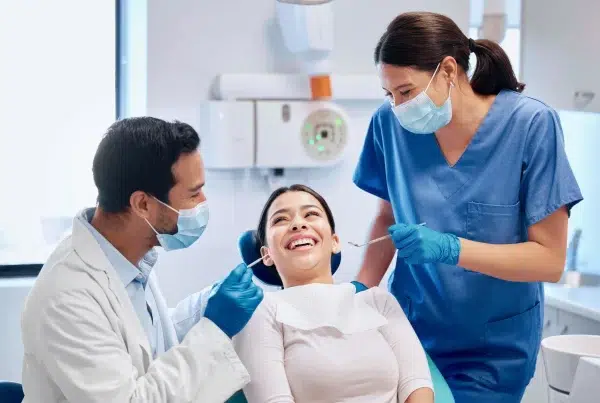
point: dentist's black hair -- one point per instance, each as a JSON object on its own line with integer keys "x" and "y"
{"x": 261, "y": 231}
{"x": 423, "y": 39}
{"x": 138, "y": 154}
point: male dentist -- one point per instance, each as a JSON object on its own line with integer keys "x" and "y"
{"x": 95, "y": 326}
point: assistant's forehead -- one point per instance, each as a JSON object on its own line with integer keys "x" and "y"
{"x": 394, "y": 76}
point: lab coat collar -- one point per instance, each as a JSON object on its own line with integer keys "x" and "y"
{"x": 86, "y": 246}
{"x": 126, "y": 271}
{"x": 88, "y": 249}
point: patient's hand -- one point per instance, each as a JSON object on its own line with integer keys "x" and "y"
{"x": 421, "y": 395}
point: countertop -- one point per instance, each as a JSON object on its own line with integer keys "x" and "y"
{"x": 583, "y": 301}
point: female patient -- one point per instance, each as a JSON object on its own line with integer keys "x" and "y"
{"x": 315, "y": 341}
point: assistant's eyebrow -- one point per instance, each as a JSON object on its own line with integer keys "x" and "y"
{"x": 399, "y": 87}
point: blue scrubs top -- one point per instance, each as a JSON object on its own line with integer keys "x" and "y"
{"x": 483, "y": 333}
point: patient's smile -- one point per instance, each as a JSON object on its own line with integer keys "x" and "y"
{"x": 301, "y": 242}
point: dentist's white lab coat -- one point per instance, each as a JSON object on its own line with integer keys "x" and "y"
{"x": 84, "y": 343}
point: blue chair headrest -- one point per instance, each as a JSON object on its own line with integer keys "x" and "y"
{"x": 249, "y": 247}
{"x": 11, "y": 392}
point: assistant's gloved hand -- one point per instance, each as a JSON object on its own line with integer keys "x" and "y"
{"x": 233, "y": 301}
{"x": 418, "y": 244}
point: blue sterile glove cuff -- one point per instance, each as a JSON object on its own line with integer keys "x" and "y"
{"x": 418, "y": 244}
{"x": 359, "y": 286}
{"x": 453, "y": 249}
{"x": 233, "y": 301}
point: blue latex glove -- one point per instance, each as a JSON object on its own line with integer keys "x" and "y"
{"x": 233, "y": 301}
{"x": 359, "y": 286}
{"x": 418, "y": 244}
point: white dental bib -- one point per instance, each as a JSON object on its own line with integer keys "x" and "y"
{"x": 313, "y": 306}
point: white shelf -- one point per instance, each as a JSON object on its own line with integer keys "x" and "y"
{"x": 295, "y": 87}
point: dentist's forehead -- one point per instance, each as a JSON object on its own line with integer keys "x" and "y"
{"x": 293, "y": 201}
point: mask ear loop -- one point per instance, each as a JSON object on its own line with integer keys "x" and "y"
{"x": 166, "y": 205}
{"x": 148, "y": 222}
{"x": 430, "y": 81}
{"x": 434, "y": 73}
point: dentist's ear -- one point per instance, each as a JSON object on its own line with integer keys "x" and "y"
{"x": 264, "y": 252}
{"x": 142, "y": 205}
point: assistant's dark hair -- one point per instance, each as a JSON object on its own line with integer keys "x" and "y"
{"x": 137, "y": 154}
{"x": 262, "y": 222}
{"x": 423, "y": 39}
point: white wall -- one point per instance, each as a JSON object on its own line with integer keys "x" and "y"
{"x": 189, "y": 43}
{"x": 57, "y": 95}
{"x": 582, "y": 142}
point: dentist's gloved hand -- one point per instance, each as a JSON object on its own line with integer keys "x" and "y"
{"x": 418, "y": 244}
{"x": 233, "y": 301}
{"x": 359, "y": 286}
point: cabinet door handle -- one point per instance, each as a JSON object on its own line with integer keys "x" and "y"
{"x": 564, "y": 330}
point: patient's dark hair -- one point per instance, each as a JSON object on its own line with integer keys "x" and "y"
{"x": 262, "y": 223}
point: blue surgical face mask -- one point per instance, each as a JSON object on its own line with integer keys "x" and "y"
{"x": 190, "y": 226}
{"x": 421, "y": 116}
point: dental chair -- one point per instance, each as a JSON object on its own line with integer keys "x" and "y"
{"x": 249, "y": 248}
{"x": 11, "y": 392}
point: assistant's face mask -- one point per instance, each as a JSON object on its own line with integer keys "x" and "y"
{"x": 421, "y": 116}
{"x": 190, "y": 226}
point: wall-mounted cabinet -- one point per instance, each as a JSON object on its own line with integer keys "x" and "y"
{"x": 560, "y": 53}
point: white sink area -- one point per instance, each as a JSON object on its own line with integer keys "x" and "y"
{"x": 561, "y": 355}
{"x": 575, "y": 279}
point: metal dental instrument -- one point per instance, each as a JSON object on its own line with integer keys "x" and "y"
{"x": 256, "y": 261}
{"x": 375, "y": 240}
{"x": 351, "y": 243}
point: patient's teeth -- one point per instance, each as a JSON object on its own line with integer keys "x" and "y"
{"x": 301, "y": 241}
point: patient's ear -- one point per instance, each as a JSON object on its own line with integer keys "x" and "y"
{"x": 264, "y": 252}
{"x": 335, "y": 243}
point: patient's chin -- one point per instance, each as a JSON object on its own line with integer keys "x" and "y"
{"x": 305, "y": 263}
{"x": 301, "y": 260}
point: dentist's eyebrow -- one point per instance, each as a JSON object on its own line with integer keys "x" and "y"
{"x": 197, "y": 187}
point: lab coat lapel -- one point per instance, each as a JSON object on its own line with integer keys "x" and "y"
{"x": 89, "y": 251}
{"x": 169, "y": 333}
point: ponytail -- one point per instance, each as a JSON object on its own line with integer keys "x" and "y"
{"x": 423, "y": 39}
{"x": 493, "y": 71}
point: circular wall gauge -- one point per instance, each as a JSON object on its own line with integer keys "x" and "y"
{"x": 324, "y": 134}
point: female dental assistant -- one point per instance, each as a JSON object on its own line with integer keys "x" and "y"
{"x": 485, "y": 168}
